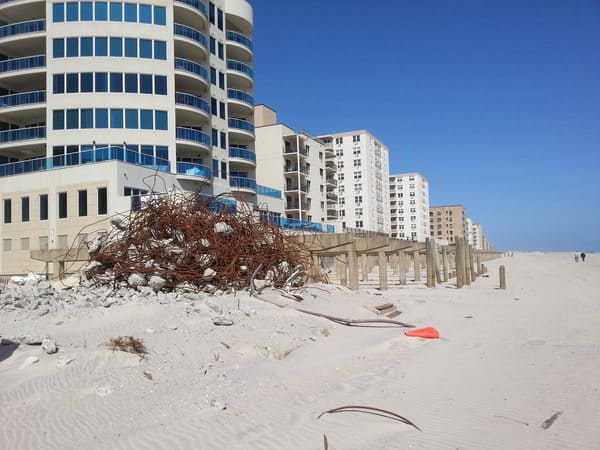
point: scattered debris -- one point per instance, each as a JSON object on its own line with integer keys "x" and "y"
{"x": 227, "y": 346}
{"x": 103, "y": 391}
{"x": 425, "y": 333}
{"x": 148, "y": 375}
{"x": 370, "y": 410}
{"x": 64, "y": 362}
{"x": 49, "y": 346}
{"x": 222, "y": 322}
{"x": 221, "y": 406}
{"x": 29, "y": 361}
{"x": 127, "y": 344}
{"x": 549, "y": 422}
{"x": 325, "y": 443}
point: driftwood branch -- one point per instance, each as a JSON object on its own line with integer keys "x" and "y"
{"x": 369, "y": 409}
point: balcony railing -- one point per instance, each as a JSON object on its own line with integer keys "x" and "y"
{"x": 293, "y": 151}
{"x": 112, "y": 153}
{"x": 189, "y": 134}
{"x": 22, "y": 134}
{"x": 269, "y": 192}
{"x": 295, "y": 224}
{"x": 242, "y": 153}
{"x": 296, "y": 205}
{"x": 192, "y": 67}
{"x": 29, "y": 62}
{"x": 25, "y": 98}
{"x": 240, "y": 39}
{"x": 241, "y": 125}
{"x": 196, "y": 170}
{"x": 188, "y": 32}
{"x": 295, "y": 168}
{"x": 232, "y": 64}
{"x": 241, "y": 96}
{"x": 193, "y": 101}
{"x": 330, "y": 165}
{"x": 296, "y": 187}
{"x": 196, "y": 5}
{"x": 242, "y": 182}
{"x": 15, "y": 29}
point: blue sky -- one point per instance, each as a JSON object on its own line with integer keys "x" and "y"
{"x": 497, "y": 102}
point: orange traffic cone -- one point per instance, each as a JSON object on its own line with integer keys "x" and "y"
{"x": 427, "y": 333}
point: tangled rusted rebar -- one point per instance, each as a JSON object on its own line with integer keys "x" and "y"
{"x": 192, "y": 241}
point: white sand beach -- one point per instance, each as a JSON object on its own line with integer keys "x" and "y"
{"x": 507, "y": 361}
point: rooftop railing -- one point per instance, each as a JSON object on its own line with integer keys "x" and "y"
{"x": 240, "y": 39}
{"x": 24, "y": 98}
{"x": 189, "y": 134}
{"x": 193, "y": 101}
{"x": 14, "y": 29}
{"x": 241, "y": 96}
{"x": 29, "y": 62}
{"x": 232, "y": 64}
{"x": 196, "y": 5}
{"x": 192, "y": 67}
{"x": 188, "y": 32}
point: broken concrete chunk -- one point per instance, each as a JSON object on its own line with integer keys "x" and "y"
{"x": 135, "y": 280}
{"x": 209, "y": 274}
{"x": 157, "y": 283}
{"x": 49, "y": 346}
{"x": 118, "y": 223}
{"x": 223, "y": 228}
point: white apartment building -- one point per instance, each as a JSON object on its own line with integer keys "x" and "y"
{"x": 97, "y": 97}
{"x": 296, "y": 163}
{"x": 362, "y": 163}
{"x": 477, "y": 233}
{"x": 409, "y": 206}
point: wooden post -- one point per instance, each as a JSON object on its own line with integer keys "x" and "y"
{"x": 342, "y": 269}
{"x": 383, "y": 281}
{"x": 502, "y": 277}
{"x": 352, "y": 263}
{"x": 445, "y": 263}
{"x": 364, "y": 267}
{"x": 472, "y": 263}
{"x": 436, "y": 261}
{"x": 315, "y": 270}
{"x": 417, "y": 265}
{"x": 402, "y": 267}
{"x": 467, "y": 268}
{"x": 460, "y": 262}
{"x": 478, "y": 269}
{"x": 429, "y": 263}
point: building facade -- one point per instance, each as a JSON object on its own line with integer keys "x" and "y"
{"x": 409, "y": 206}
{"x": 296, "y": 163}
{"x": 448, "y": 222}
{"x": 102, "y": 101}
{"x": 362, "y": 163}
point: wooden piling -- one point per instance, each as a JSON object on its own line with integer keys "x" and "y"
{"x": 417, "y": 265}
{"x": 460, "y": 262}
{"x": 383, "y": 280}
{"x": 402, "y": 267}
{"x": 502, "y": 277}
{"x": 445, "y": 264}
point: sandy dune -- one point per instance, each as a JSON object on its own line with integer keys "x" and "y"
{"x": 507, "y": 362}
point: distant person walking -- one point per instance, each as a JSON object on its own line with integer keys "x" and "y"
{"x": 576, "y": 257}
{"x": 582, "y": 257}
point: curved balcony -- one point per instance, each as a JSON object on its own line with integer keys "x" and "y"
{"x": 193, "y": 172}
{"x": 240, "y": 16}
{"x": 190, "y": 43}
{"x": 243, "y": 184}
{"x": 240, "y": 130}
{"x": 192, "y": 140}
{"x": 240, "y": 103}
{"x": 239, "y": 46}
{"x": 23, "y": 73}
{"x": 330, "y": 166}
{"x": 22, "y": 137}
{"x": 18, "y": 108}
{"x": 242, "y": 156}
{"x": 189, "y": 12}
{"x": 22, "y": 10}
{"x": 190, "y": 76}
{"x": 240, "y": 75}
{"x": 190, "y": 108}
{"x": 22, "y": 39}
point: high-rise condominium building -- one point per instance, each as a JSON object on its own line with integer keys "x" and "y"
{"x": 362, "y": 174}
{"x": 448, "y": 222}
{"x": 409, "y": 206}
{"x": 99, "y": 96}
{"x": 296, "y": 163}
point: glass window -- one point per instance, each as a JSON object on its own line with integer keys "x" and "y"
{"x": 215, "y": 167}
{"x": 213, "y": 76}
{"x": 220, "y": 19}
{"x": 221, "y": 80}
{"x": 116, "y": 11}
{"x": 72, "y": 11}
{"x": 101, "y": 46}
{"x": 160, "y": 85}
{"x": 160, "y": 50}
{"x": 62, "y": 205}
{"x": 72, "y": 47}
{"x": 101, "y": 118}
{"x": 222, "y": 110}
{"x": 87, "y": 118}
{"x": 116, "y": 118}
{"x": 211, "y": 12}
{"x": 223, "y": 140}
{"x": 130, "y": 12}
{"x": 160, "y": 15}
{"x": 7, "y": 212}
{"x": 58, "y": 48}
{"x": 213, "y": 106}
{"x": 87, "y": 46}
{"x": 72, "y": 119}
{"x": 131, "y": 118}
{"x": 131, "y": 47}
{"x": 223, "y": 170}
{"x": 101, "y": 11}
{"x": 161, "y": 120}
{"x": 116, "y": 82}
{"x": 58, "y": 12}
{"x": 162, "y": 152}
{"x": 58, "y": 119}
{"x": 72, "y": 83}
{"x": 44, "y": 207}
{"x": 221, "y": 51}
{"x": 213, "y": 46}
{"x": 215, "y": 137}
{"x": 86, "y": 11}
{"x": 145, "y": 84}
{"x": 146, "y": 119}
{"x": 145, "y": 13}
{"x": 116, "y": 46}
{"x": 131, "y": 82}
{"x": 82, "y": 203}
{"x": 102, "y": 201}
{"x": 146, "y": 48}
{"x": 87, "y": 82}
{"x": 58, "y": 83}
{"x": 101, "y": 82}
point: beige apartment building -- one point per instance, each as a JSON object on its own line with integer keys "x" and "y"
{"x": 447, "y": 222}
